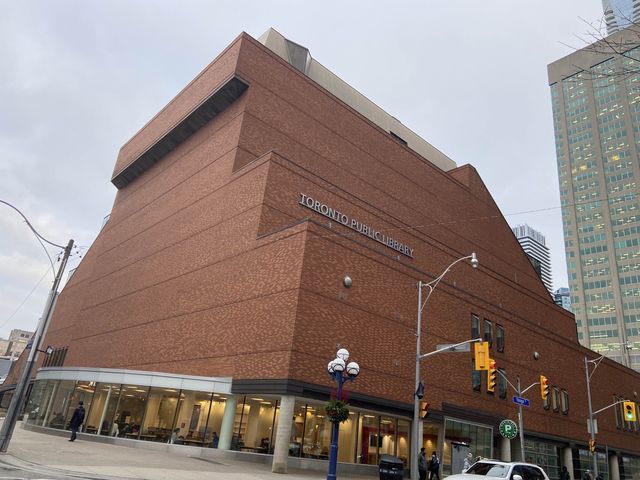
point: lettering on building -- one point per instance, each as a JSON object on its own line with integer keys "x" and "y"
{"x": 354, "y": 224}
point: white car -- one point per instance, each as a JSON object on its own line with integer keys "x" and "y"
{"x": 488, "y": 469}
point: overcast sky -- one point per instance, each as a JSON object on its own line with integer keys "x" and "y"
{"x": 79, "y": 78}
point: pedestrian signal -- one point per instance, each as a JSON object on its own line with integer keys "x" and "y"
{"x": 424, "y": 409}
{"x": 592, "y": 446}
{"x": 491, "y": 376}
{"x": 629, "y": 409}
{"x": 481, "y": 352}
{"x": 544, "y": 387}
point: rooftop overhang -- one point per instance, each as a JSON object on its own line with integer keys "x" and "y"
{"x": 219, "y": 100}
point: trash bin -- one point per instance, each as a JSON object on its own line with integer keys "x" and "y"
{"x": 391, "y": 468}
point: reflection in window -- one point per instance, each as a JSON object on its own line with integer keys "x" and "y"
{"x": 488, "y": 332}
{"x": 564, "y": 401}
{"x": 60, "y": 405}
{"x": 476, "y": 378}
{"x": 500, "y": 338}
{"x": 555, "y": 399}
{"x": 502, "y": 383}
{"x": 475, "y": 326}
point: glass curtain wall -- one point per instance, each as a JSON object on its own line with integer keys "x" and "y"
{"x": 543, "y": 454}
{"x": 253, "y": 429}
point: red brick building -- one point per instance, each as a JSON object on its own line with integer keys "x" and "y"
{"x": 214, "y": 297}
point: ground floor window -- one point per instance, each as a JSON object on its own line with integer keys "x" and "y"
{"x": 583, "y": 461}
{"x": 546, "y": 455}
{"x": 629, "y": 468}
{"x": 461, "y": 438}
{"x": 195, "y": 418}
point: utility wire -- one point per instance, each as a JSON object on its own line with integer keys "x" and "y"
{"x": 26, "y": 298}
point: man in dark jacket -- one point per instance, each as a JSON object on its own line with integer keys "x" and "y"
{"x": 76, "y": 420}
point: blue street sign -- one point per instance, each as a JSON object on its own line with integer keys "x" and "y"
{"x": 521, "y": 401}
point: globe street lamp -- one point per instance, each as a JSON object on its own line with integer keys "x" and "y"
{"x": 341, "y": 372}
{"x": 418, "y": 391}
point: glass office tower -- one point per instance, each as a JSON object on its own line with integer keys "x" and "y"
{"x": 596, "y": 114}
{"x": 620, "y": 14}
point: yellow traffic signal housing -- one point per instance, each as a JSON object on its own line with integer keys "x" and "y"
{"x": 629, "y": 409}
{"x": 481, "y": 353}
{"x": 491, "y": 376}
{"x": 424, "y": 409}
{"x": 592, "y": 446}
{"x": 544, "y": 387}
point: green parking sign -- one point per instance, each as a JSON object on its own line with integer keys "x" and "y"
{"x": 508, "y": 429}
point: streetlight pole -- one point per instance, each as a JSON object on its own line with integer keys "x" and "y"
{"x": 416, "y": 401}
{"x": 21, "y": 387}
{"x": 336, "y": 369}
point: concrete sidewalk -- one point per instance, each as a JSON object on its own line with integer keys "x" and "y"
{"x": 46, "y": 453}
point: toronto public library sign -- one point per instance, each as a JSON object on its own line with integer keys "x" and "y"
{"x": 354, "y": 224}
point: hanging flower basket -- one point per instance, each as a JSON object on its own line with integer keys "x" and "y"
{"x": 337, "y": 411}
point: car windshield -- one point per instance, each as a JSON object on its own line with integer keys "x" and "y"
{"x": 489, "y": 469}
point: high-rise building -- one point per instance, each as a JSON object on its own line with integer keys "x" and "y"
{"x": 562, "y": 298}
{"x": 620, "y": 14}
{"x": 596, "y": 112}
{"x": 534, "y": 245}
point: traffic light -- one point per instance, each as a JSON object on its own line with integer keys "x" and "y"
{"x": 424, "y": 409}
{"x": 592, "y": 445}
{"x": 481, "y": 352}
{"x": 491, "y": 376}
{"x": 629, "y": 411}
{"x": 544, "y": 387}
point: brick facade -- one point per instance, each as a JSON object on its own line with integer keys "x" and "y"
{"x": 209, "y": 265}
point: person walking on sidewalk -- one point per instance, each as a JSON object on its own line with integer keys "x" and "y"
{"x": 434, "y": 471}
{"x": 422, "y": 464}
{"x": 76, "y": 420}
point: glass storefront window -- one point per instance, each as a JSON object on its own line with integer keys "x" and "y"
{"x": 317, "y": 430}
{"x": 387, "y": 436}
{"x": 60, "y": 404}
{"x": 546, "y": 455}
{"x": 212, "y": 432}
{"x": 82, "y": 393}
{"x": 103, "y": 409}
{"x": 160, "y": 415}
{"x": 130, "y": 410}
{"x": 402, "y": 451}
{"x": 35, "y": 408}
{"x": 476, "y": 439}
{"x": 369, "y": 440}
{"x": 258, "y": 423}
{"x": 193, "y": 412}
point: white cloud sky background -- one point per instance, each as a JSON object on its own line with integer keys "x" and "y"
{"x": 79, "y": 78}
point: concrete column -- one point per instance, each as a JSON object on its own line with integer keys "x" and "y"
{"x": 228, "y": 417}
{"x": 614, "y": 467}
{"x": 505, "y": 449}
{"x": 283, "y": 434}
{"x": 567, "y": 461}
